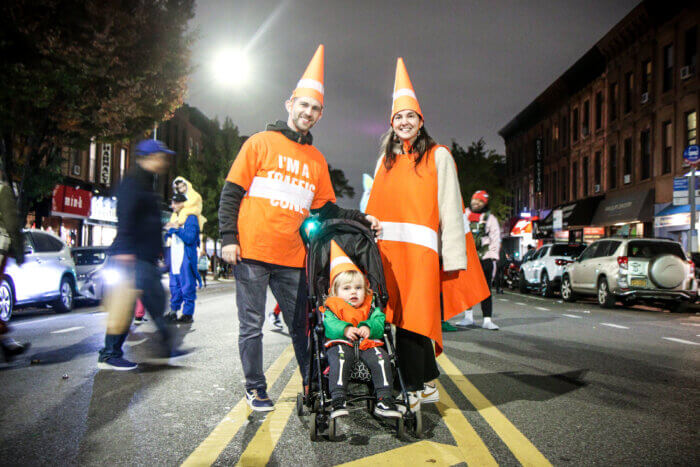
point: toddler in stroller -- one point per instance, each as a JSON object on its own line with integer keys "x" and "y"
{"x": 354, "y": 329}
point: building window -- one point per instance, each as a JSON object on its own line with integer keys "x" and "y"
{"x": 612, "y": 167}
{"x": 691, "y": 48}
{"x": 555, "y": 188}
{"x": 122, "y": 162}
{"x": 564, "y": 186}
{"x": 645, "y": 145}
{"x": 75, "y": 165}
{"x": 613, "y": 101}
{"x": 597, "y": 169}
{"x": 564, "y": 132}
{"x": 574, "y": 180}
{"x": 629, "y": 91}
{"x": 574, "y": 125}
{"x": 599, "y": 111}
{"x": 627, "y": 162}
{"x": 93, "y": 160}
{"x": 667, "y": 147}
{"x": 691, "y": 129}
{"x": 584, "y": 167}
{"x": 646, "y": 78}
{"x": 668, "y": 67}
{"x": 586, "y": 118}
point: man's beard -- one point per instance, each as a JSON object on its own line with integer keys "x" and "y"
{"x": 302, "y": 126}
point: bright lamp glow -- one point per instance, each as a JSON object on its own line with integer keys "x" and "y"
{"x": 231, "y": 67}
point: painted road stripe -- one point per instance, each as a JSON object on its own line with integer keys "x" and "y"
{"x": 571, "y": 316}
{"x": 611, "y": 325}
{"x": 680, "y": 341}
{"x": 541, "y": 308}
{"x": 521, "y": 303}
{"x": 503, "y": 300}
{"x": 268, "y": 435}
{"x": 472, "y": 447}
{"x": 691, "y": 324}
{"x": 519, "y": 445}
{"x": 61, "y": 331}
{"x": 210, "y": 449}
{"x": 420, "y": 453}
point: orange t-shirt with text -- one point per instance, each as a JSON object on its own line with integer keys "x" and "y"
{"x": 283, "y": 181}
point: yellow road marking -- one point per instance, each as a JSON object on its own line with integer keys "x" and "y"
{"x": 471, "y": 447}
{"x": 210, "y": 449}
{"x": 420, "y": 453}
{"x": 266, "y": 437}
{"x": 526, "y": 453}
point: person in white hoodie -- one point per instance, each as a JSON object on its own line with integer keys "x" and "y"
{"x": 487, "y": 236}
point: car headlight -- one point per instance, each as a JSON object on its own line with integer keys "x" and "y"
{"x": 111, "y": 276}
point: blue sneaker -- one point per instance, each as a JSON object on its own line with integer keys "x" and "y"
{"x": 257, "y": 400}
{"x": 116, "y": 363}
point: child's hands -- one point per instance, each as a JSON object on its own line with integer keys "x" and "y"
{"x": 363, "y": 332}
{"x": 352, "y": 333}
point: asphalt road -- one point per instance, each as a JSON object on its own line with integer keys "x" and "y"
{"x": 562, "y": 384}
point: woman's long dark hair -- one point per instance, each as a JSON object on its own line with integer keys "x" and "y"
{"x": 391, "y": 146}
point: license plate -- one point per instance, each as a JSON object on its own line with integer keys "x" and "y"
{"x": 638, "y": 282}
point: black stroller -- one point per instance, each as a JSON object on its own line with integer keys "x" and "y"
{"x": 358, "y": 242}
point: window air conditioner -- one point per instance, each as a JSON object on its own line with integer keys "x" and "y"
{"x": 596, "y": 188}
{"x": 686, "y": 72}
{"x": 627, "y": 178}
{"x": 76, "y": 169}
{"x": 645, "y": 97}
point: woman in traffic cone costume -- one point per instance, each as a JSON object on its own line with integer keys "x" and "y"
{"x": 416, "y": 197}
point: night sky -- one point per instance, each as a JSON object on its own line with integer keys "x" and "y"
{"x": 474, "y": 64}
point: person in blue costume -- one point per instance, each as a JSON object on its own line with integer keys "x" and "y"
{"x": 184, "y": 241}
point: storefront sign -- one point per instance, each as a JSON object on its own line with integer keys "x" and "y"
{"x": 539, "y": 166}
{"x": 103, "y": 208}
{"x": 106, "y": 164}
{"x": 558, "y": 220}
{"x": 591, "y": 234}
{"x": 71, "y": 201}
{"x": 561, "y": 236}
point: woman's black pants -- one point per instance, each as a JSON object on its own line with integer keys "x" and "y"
{"x": 416, "y": 359}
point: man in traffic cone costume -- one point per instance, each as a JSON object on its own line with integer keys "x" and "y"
{"x": 277, "y": 180}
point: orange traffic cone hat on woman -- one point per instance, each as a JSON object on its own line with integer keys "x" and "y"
{"x": 340, "y": 262}
{"x": 404, "y": 96}
{"x": 311, "y": 83}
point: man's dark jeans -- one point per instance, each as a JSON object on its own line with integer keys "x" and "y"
{"x": 147, "y": 279}
{"x": 288, "y": 286}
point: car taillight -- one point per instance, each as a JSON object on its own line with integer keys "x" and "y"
{"x": 622, "y": 261}
{"x": 692, "y": 266}
{"x": 562, "y": 262}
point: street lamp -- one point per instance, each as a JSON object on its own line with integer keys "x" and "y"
{"x": 231, "y": 67}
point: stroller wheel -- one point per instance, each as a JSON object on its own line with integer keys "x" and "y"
{"x": 313, "y": 433}
{"x": 332, "y": 425}
{"x": 300, "y": 404}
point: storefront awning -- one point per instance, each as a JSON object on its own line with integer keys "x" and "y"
{"x": 631, "y": 206}
{"x": 576, "y": 214}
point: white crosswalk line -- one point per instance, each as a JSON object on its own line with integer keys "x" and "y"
{"x": 571, "y": 316}
{"x": 680, "y": 341}
{"x": 61, "y": 331}
{"x": 611, "y": 325}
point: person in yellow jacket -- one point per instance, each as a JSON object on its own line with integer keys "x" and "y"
{"x": 416, "y": 197}
{"x": 193, "y": 205}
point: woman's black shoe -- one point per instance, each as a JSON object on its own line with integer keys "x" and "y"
{"x": 11, "y": 348}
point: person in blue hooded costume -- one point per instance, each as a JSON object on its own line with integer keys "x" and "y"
{"x": 184, "y": 241}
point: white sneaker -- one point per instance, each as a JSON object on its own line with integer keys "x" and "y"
{"x": 276, "y": 320}
{"x": 468, "y": 319}
{"x": 429, "y": 394}
{"x": 488, "y": 324}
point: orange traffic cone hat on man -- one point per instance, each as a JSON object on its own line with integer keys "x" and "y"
{"x": 404, "y": 96}
{"x": 340, "y": 262}
{"x": 311, "y": 82}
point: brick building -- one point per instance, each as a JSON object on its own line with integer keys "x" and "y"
{"x": 597, "y": 152}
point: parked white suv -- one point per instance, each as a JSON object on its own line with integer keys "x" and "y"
{"x": 543, "y": 271}
{"x": 631, "y": 270}
{"x": 47, "y": 276}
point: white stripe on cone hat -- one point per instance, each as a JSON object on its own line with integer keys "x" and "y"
{"x": 311, "y": 82}
{"x": 404, "y": 97}
{"x": 340, "y": 262}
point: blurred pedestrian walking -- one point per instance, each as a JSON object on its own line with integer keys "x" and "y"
{"x": 203, "y": 266}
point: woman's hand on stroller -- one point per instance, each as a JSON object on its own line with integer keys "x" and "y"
{"x": 375, "y": 225}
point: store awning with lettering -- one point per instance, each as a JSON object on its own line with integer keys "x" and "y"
{"x": 577, "y": 214}
{"x": 70, "y": 202}
{"x": 625, "y": 208}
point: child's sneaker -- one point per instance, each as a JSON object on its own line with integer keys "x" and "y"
{"x": 340, "y": 407}
{"x": 258, "y": 400}
{"x": 386, "y": 408}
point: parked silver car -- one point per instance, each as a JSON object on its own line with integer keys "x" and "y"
{"x": 90, "y": 266}
{"x": 47, "y": 276}
{"x": 632, "y": 270}
{"x": 542, "y": 272}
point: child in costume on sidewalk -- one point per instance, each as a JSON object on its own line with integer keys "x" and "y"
{"x": 349, "y": 317}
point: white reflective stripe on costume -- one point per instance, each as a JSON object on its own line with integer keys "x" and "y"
{"x": 340, "y": 260}
{"x": 467, "y": 224}
{"x": 410, "y": 233}
{"x": 404, "y": 92}
{"x": 265, "y": 187}
{"x": 310, "y": 84}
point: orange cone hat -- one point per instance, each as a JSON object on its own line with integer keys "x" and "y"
{"x": 311, "y": 83}
{"x": 340, "y": 262}
{"x": 404, "y": 96}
